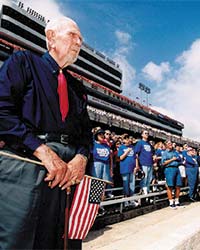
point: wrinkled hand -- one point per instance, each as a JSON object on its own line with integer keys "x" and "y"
{"x": 56, "y": 167}
{"x": 76, "y": 168}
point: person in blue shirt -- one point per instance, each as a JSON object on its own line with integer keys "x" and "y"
{"x": 117, "y": 178}
{"x": 127, "y": 165}
{"x": 181, "y": 165}
{"x": 144, "y": 160}
{"x": 101, "y": 167}
{"x": 170, "y": 160}
{"x": 32, "y": 125}
{"x": 159, "y": 149}
{"x": 184, "y": 150}
{"x": 192, "y": 172}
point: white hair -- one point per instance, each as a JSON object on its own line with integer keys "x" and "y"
{"x": 59, "y": 25}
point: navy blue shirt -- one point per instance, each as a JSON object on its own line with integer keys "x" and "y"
{"x": 128, "y": 163}
{"x": 145, "y": 153}
{"x": 101, "y": 152}
{"x": 29, "y": 103}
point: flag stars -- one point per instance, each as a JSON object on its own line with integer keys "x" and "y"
{"x": 97, "y": 188}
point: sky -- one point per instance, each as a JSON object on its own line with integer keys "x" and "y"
{"x": 155, "y": 42}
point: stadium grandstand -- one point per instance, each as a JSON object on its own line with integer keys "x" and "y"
{"x": 22, "y": 28}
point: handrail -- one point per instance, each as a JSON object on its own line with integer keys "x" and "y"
{"x": 121, "y": 188}
{"x": 138, "y": 197}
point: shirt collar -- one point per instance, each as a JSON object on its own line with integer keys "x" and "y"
{"x": 54, "y": 67}
{"x": 51, "y": 62}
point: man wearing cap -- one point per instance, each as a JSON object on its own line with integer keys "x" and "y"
{"x": 170, "y": 160}
{"x": 101, "y": 167}
{"x": 101, "y": 154}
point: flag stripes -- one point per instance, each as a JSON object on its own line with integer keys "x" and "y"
{"x": 84, "y": 207}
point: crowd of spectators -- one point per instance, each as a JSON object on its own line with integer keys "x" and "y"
{"x": 123, "y": 158}
{"x": 125, "y": 161}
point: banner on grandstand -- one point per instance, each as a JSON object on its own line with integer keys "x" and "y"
{"x": 85, "y": 205}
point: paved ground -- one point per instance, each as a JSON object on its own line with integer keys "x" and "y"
{"x": 164, "y": 229}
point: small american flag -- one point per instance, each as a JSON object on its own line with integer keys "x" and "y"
{"x": 85, "y": 207}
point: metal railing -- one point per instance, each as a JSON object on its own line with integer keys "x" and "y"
{"x": 153, "y": 196}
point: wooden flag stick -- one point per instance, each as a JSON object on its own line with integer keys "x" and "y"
{"x": 14, "y": 156}
{"x": 66, "y": 228}
{"x": 20, "y": 158}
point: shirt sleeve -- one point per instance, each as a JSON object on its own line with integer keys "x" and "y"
{"x": 178, "y": 157}
{"x": 189, "y": 160}
{"x": 13, "y": 78}
{"x": 138, "y": 147}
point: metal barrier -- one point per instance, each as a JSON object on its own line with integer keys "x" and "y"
{"x": 153, "y": 196}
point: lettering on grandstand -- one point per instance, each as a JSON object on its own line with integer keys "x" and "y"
{"x": 107, "y": 104}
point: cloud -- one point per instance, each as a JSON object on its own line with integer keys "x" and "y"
{"x": 124, "y": 47}
{"x": 128, "y": 71}
{"x": 123, "y": 37}
{"x": 48, "y": 8}
{"x": 156, "y": 72}
{"x": 180, "y": 94}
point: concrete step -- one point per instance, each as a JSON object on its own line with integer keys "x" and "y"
{"x": 164, "y": 229}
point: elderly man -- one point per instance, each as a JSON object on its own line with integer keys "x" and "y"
{"x": 43, "y": 116}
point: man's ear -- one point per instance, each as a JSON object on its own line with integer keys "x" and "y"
{"x": 50, "y": 34}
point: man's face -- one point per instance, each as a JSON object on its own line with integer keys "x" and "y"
{"x": 100, "y": 137}
{"x": 107, "y": 134}
{"x": 169, "y": 145}
{"x": 68, "y": 44}
{"x": 145, "y": 135}
{"x": 130, "y": 139}
{"x": 126, "y": 140}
